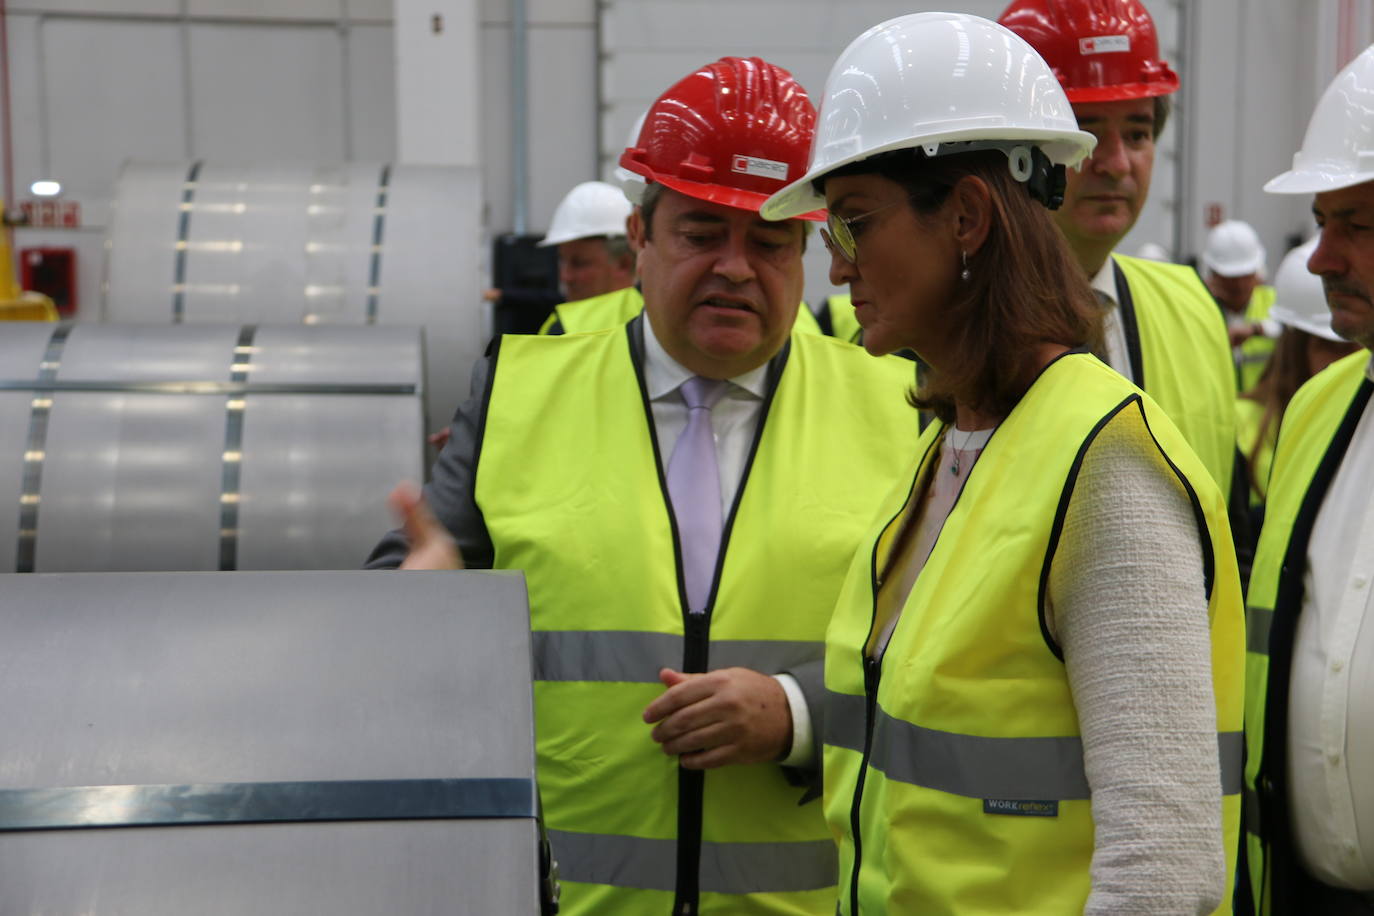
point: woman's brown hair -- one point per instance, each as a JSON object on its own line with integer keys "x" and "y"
{"x": 1024, "y": 288}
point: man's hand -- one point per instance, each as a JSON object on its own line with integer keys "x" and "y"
{"x": 431, "y": 546}
{"x": 440, "y": 439}
{"x": 710, "y": 720}
{"x": 1241, "y": 333}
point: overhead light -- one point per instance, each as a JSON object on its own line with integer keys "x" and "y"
{"x": 45, "y": 187}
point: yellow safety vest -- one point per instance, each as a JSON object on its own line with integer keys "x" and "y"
{"x": 1316, "y": 431}
{"x": 605, "y": 311}
{"x": 570, "y": 482}
{"x": 954, "y": 773}
{"x": 612, "y": 309}
{"x": 1255, "y": 352}
{"x": 1184, "y": 357}
{"x": 1248, "y": 416}
{"x": 839, "y": 311}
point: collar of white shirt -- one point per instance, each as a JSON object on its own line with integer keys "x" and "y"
{"x": 1105, "y": 280}
{"x": 663, "y": 375}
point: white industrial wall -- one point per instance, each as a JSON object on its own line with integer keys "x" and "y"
{"x": 95, "y": 82}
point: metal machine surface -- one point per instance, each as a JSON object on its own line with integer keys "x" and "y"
{"x": 209, "y": 700}
{"x": 142, "y": 447}
{"x": 364, "y": 243}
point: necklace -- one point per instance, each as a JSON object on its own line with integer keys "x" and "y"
{"x": 955, "y": 448}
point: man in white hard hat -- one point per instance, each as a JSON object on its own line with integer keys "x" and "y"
{"x": 1310, "y": 707}
{"x": 588, "y": 227}
{"x": 1162, "y": 328}
{"x": 594, "y": 258}
{"x": 1233, "y": 269}
{"x": 666, "y": 485}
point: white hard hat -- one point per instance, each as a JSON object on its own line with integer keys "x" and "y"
{"x": 632, "y": 184}
{"x": 944, "y": 82}
{"x": 1299, "y": 300}
{"x": 1233, "y": 249}
{"x": 1153, "y": 251}
{"x": 591, "y": 209}
{"x": 1338, "y": 150}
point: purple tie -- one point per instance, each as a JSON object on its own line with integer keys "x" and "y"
{"x": 694, "y": 488}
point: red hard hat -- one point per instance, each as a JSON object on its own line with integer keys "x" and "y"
{"x": 733, "y": 133}
{"x": 1101, "y": 50}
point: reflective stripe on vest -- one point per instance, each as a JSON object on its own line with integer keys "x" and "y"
{"x": 1188, "y": 369}
{"x": 726, "y": 868}
{"x": 637, "y": 657}
{"x": 980, "y": 767}
{"x": 975, "y": 753}
{"x": 1316, "y": 430}
{"x": 592, "y": 529}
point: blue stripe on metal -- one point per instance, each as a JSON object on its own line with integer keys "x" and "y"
{"x": 374, "y": 273}
{"x": 726, "y": 868}
{"x": 31, "y": 486}
{"x": 188, "y": 194}
{"x": 217, "y": 388}
{"x": 232, "y": 459}
{"x": 80, "y": 807}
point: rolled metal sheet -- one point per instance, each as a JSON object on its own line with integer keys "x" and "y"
{"x": 365, "y": 243}
{"x": 205, "y": 699}
{"x": 130, "y": 448}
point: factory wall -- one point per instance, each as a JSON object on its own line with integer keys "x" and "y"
{"x": 94, "y": 82}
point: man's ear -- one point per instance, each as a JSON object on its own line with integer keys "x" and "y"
{"x": 634, "y": 229}
{"x": 971, "y": 203}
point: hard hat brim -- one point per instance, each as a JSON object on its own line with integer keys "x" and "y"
{"x": 1315, "y": 181}
{"x": 752, "y": 201}
{"x": 1303, "y": 323}
{"x": 1235, "y": 269}
{"x": 1122, "y": 92}
{"x": 550, "y": 240}
{"x": 1063, "y": 148}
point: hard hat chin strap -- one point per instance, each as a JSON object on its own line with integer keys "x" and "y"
{"x": 1044, "y": 181}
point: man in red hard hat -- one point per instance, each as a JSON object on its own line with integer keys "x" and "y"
{"x": 1162, "y": 328}
{"x": 667, "y": 487}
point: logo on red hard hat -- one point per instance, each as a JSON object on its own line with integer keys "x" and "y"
{"x": 763, "y": 168}
{"x": 1104, "y": 44}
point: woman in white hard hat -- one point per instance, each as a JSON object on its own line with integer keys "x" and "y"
{"x": 1037, "y": 655}
{"x": 1306, "y": 346}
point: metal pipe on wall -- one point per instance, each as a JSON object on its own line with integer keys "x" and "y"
{"x": 520, "y": 110}
{"x": 1183, "y": 175}
{"x": 9, "y": 118}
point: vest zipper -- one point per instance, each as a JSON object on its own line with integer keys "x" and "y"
{"x": 691, "y": 784}
{"x": 872, "y": 673}
{"x": 696, "y": 652}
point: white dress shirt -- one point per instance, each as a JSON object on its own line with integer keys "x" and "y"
{"x": 1331, "y": 695}
{"x": 1118, "y": 355}
{"x": 734, "y": 420}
